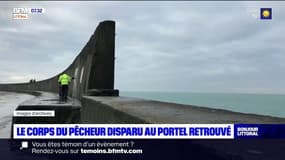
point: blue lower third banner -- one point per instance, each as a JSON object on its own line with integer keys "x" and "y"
{"x": 123, "y": 131}
{"x": 148, "y": 131}
{"x": 260, "y": 131}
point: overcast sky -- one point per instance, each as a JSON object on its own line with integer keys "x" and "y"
{"x": 160, "y": 46}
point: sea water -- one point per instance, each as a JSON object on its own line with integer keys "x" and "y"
{"x": 262, "y": 104}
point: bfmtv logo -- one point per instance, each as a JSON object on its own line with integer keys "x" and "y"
{"x": 20, "y": 10}
{"x": 22, "y": 13}
{"x": 28, "y": 10}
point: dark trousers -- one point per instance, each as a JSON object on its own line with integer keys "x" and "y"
{"x": 64, "y": 91}
{"x": 59, "y": 91}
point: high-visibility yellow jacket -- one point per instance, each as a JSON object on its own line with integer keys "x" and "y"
{"x": 64, "y": 79}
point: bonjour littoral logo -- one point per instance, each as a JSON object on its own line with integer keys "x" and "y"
{"x": 247, "y": 131}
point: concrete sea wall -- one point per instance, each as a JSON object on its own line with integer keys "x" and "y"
{"x": 135, "y": 110}
{"x": 93, "y": 72}
{"x": 93, "y": 68}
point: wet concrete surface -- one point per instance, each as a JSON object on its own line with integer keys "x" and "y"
{"x": 49, "y": 99}
{"x": 66, "y": 112}
{"x": 8, "y": 103}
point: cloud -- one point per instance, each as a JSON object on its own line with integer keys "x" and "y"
{"x": 166, "y": 46}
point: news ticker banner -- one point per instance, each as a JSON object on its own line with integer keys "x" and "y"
{"x": 147, "y": 131}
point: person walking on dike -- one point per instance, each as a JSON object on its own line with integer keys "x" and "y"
{"x": 63, "y": 81}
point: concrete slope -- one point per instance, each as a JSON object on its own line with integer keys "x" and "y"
{"x": 134, "y": 110}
